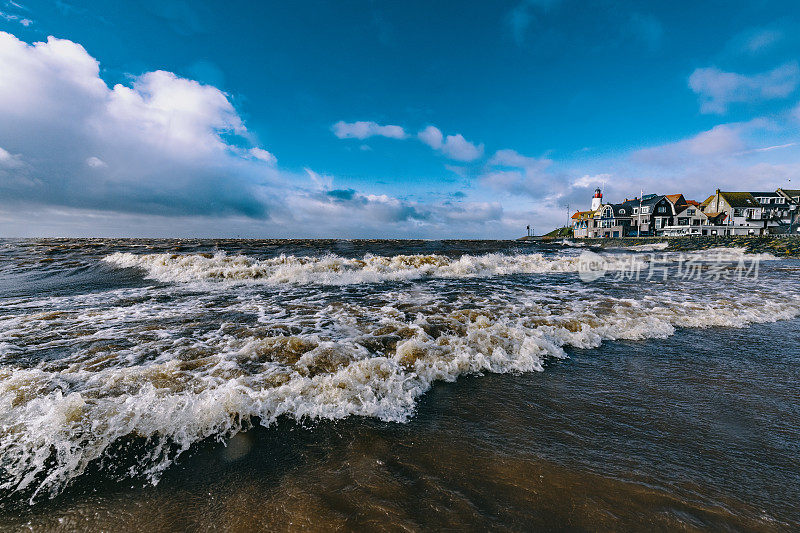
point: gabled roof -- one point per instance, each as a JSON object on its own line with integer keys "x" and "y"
{"x": 631, "y": 203}
{"x": 676, "y": 199}
{"x": 791, "y": 193}
{"x": 621, "y": 210}
{"x": 765, "y": 194}
{"x": 712, "y": 216}
{"x": 580, "y": 215}
{"x": 651, "y": 199}
{"x": 683, "y": 209}
{"x": 693, "y": 202}
{"x": 707, "y": 201}
{"x": 739, "y": 199}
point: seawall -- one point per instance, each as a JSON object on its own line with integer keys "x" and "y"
{"x": 774, "y": 244}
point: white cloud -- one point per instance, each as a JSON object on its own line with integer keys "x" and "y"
{"x": 320, "y": 181}
{"x": 720, "y": 141}
{"x": 453, "y": 146}
{"x": 762, "y": 39}
{"x": 719, "y": 89}
{"x": 8, "y": 160}
{"x": 519, "y": 174}
{"x": 754, "y": 41}
{"x": 127, "y": 160}
{"x": 164, "y": 143}
{"x": 263, "y": 155}
{"x": 432, "y": 136}
{"x": 596, "y": 180}
{"x": 364, "y": 129}
{"x": 10, "y": 17}
{"x": 96, "y": 162}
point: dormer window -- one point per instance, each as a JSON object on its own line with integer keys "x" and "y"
{"x": 621, "y": 211}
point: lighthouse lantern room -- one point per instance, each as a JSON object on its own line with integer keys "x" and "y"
{"x": 597, "y": 200}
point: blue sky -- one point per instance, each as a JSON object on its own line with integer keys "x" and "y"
{"x": 377, "y": 118}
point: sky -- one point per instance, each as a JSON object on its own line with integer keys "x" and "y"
{"x": 368, "y": 118}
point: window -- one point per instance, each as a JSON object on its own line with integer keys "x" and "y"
{"x": 645, "y": 209}
{"x": 635, "y": 210}
{"x": 621, "y": 211}
{"x": 690, "y": 212}
{"x": 662, "y": 209}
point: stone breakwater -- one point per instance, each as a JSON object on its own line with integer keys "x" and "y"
{"x": 773, "y": 244}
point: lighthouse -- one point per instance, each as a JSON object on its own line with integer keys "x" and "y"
{"x": 597, "y": 199}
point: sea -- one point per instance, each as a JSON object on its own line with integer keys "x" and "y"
{"x": 284, "y": 385}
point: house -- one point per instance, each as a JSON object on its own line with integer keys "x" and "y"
{"x": 582, "y": 222}
{"x": 789, "y": 194}
{"x": 743, "y": 213}
{"x": 652, "y": 214}
{"x": 611, "y": 220}
{"x": 677, "y": 201}
{"x": 704, "y": 204}
{"x": 722, "y": 213}
{"x": 689, "y": 220}
{"x": 790, "y": 222}
{"x": 776, "y": 211}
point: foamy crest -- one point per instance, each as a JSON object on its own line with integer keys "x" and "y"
{"x": 571, "y": 244}
{"x": 654, "y": 247}
{"x": 336, "y": 270}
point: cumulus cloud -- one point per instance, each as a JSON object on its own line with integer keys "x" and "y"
{"x": 364, "y": 129}
{"x": 718, "y": 89}
{"x": 453, "y": 146}
{"x": 162, "y": 145}
{"x": 92, "y": 159}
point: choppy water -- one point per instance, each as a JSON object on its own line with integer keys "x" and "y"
{"x": 128, "y": 360}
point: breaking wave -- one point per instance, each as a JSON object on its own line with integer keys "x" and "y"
{"x": 335, "y": 270}
{"x": 173, "y": 368}
{"x": 647, "y": 247}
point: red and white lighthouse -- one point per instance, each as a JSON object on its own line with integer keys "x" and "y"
{"x": 597, "y": 199}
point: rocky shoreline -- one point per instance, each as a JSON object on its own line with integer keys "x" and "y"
{"x": 773, "y": 244}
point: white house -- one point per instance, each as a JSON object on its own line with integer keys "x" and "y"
{"x": 743, "y": 215}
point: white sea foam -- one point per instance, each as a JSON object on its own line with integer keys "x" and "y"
{"x": 647, "y": 247}
{"x": 729, "y": 254}
{"x": 336, "y": 270}
{"x": 176, "y": 366}
{"x": 572, "y": 244}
